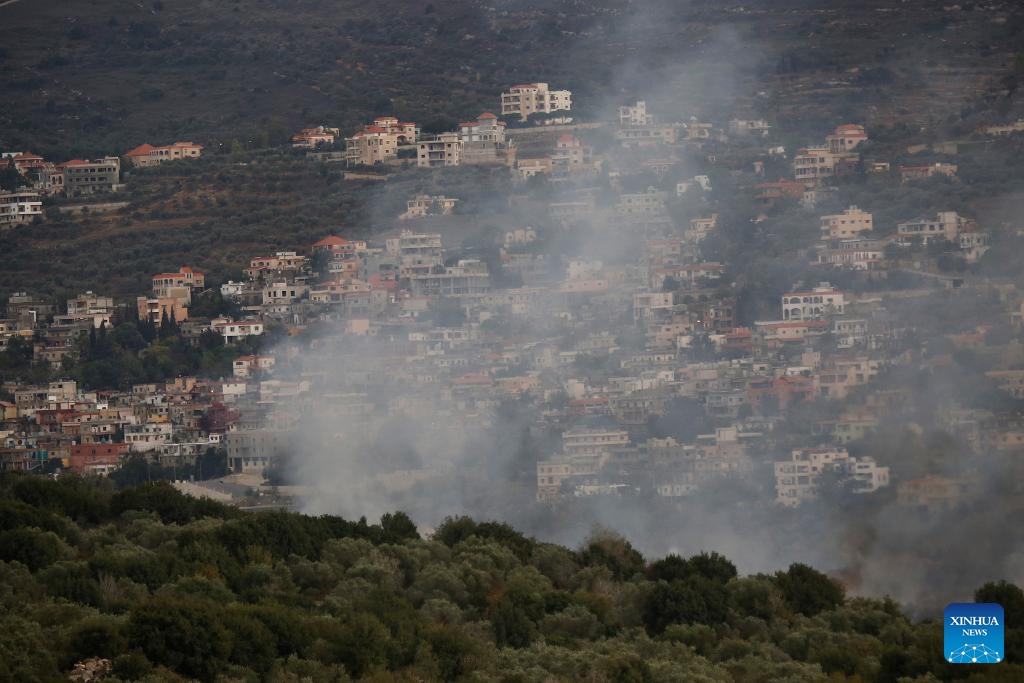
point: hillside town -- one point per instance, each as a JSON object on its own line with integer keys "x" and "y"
{"x": 632, "y": 372}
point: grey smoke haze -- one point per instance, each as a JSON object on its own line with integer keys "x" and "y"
{"x": 380, "y": 431}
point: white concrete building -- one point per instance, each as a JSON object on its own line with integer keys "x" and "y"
{"x": 19, "y": 207}
{"x": 815, "y": 303}
{"x": 797, "y": 478}
{"x": 233, "y": 330}
{"x": 634, "y": 115}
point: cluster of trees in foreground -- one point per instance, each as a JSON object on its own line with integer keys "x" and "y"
{"x": 164, "y": 587}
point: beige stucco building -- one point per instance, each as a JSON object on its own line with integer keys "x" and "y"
{"x": 532, "y": 98}
{"x": 850, "y": 223}
{"x": 147, "y": 155}
{"x": 441, "y": 150}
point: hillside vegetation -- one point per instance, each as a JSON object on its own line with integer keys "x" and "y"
{"x": 97, "y": 77}
{"x": 166, "y": 587}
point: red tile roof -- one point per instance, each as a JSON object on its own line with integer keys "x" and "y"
{"x": 142, "y": 150}
{"x": 330, "y": 241}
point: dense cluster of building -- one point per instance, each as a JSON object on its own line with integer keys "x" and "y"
{"x": 604, "y": 350}
{"x": 75, "y": 178}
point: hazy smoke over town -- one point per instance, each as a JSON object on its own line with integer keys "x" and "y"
{"x": 394, "y": 421}
{"x": 518, "y": 340}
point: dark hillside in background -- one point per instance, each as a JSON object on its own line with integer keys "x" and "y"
{"x": 88, "y": 78}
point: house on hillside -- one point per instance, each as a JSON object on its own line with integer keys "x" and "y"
{"x": 147, "y": 155}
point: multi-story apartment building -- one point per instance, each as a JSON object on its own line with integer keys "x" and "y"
{"x": 252, "y": 366}
{"x": 483, "y": 140}
{"x": 96, "y": 458}
{"x": 593, "y": 441}
{"x": 147, "y": 155}
{"x": 88, "y": 303}
{"x": 416, "y": 252}
{"x": 584, "y": 452}
{"x": 648, "y": 305}
{"x": 777, "y": 332}
{"x": 651, "y": 134}
{"x": 633, "y": 116}
{"x": 89, "y": 177}
{"x": 407, "y": 132}
{"x": 283, "y": 292}
{"x": 468, "y": 276}
{"x": 339, "y": 248}
{"x": 440, "y": 150}
{"x": 569, "y": 156}
{"x": 171, "y": 296}
{"x": 283, "y": 262}
{"x": 99, "y": 310}
{"x": 701, "y": 227}
{"x": 19, "y": 207}
{"x": 148, "y": 436}
{"x": 186, "y": 277}
{"x": 850, "y": 223}
{"x": 846, "y": 138}
{"x": 531, "y": 98}
{"x": 370, "y": 146}
{"x": 423, "y": 205}
{"x": 812, "y": 164}
{"x": 486, "y": 128}
{"x": 947, "y": 226}
{"x": 854, "y": 254}
{"x": 234, "y": 330}
{"x": 841, "y": 374}
{"x": 253, "y": 450}
{"x": 816, "y": 303}
{"x": 651, "y": 202}
{"x": 45, "y": 176}
{"x": 797, "y": 478}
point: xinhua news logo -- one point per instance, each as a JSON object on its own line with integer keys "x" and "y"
{"x": 974, "y": 633}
